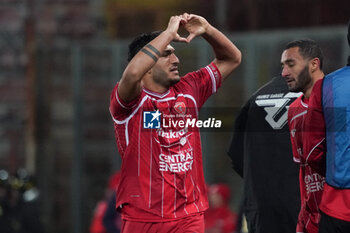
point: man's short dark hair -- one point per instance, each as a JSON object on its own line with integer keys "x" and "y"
{"x": 308, "y": 49}
{"x": 139, "y": 42}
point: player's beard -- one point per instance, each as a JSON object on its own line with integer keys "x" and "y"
{"x": 302, "y": 81}
{"x": 163, "y": 78}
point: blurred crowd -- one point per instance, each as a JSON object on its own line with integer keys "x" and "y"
{"x": 19, "y": 203}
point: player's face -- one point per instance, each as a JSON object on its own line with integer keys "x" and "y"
{"x": 295, "y": 70}
{"x": 165, "y": 72}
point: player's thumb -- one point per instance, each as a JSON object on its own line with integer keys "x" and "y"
{"x": 190, "y": 37}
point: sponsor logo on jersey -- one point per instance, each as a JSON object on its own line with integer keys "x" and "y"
{"x": 151, "y": 119}
{"x": 180, "y": 107}
{"x": 314, "y": 182}
{"x": 181, "y": 162}
{"x": 172, "y": 134}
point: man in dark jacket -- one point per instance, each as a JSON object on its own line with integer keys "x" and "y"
{"x": 261, "y": 154}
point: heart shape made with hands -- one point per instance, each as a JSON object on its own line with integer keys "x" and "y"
{"x": 193, "y": 25}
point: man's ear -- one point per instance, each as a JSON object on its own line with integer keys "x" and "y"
{"x": 315, "y": 64}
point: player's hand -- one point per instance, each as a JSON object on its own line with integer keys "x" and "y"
{"x": 196, "y": 25}
{"x": 173, "y": 27}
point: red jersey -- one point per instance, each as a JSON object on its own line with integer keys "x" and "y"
{"x": 305, "y": 144}
{"x": 335, "y": 202}
{"x": 162, "y": 173}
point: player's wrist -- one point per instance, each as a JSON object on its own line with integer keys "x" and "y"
{"x": 168, "y": 35}
{"x": 208, "y": 28}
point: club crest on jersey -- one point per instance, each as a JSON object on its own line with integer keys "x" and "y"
{"x": 180, "y": 107}
{"x": 151, "y": 119}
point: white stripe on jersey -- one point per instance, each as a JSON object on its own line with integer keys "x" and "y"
{"x": 168, "y": 152}
{"x": 132, "y": 114}
{"x": 212, "y": 78}
{"x": 185, "y": 194}
{"x": 307, "y": 158}
{"x": 150, "y": 174}
{"x": 199, "y": 194}
{"x": 117, "y": 98}
{"x": 128, "y": 118}
{"x": 156, "y": 94}
{"x": 175, "y": 195}
{"x": 194, "y": 196}
{"x": 139, "y": 150}
{"x": 162, "y": 194}
{"x": 298, "y": 115}
{"x": 304, "y": 104}
{"x": 126, "y": 133}
{"x": 296, "y": 160}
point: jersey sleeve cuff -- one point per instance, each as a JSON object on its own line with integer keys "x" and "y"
{"x": 122, "y": 103}
{"x": 215, "y": 76}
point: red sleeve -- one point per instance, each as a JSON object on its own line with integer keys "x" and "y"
{"x": 292, "y": 111}
{"x": 202, "y": 83}
{"x": 314, "y": 139}
{"x": 118, "y": 108}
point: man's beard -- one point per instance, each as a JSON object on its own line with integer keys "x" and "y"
{"x": 302, "y": 81}
{"x": 165, "y": 82}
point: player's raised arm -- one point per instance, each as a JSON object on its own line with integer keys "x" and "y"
{"x": 130, "y": 84}
{"x": 227, "y": 55}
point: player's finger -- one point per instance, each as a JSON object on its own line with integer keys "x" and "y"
{"x": 183, "y": 21}
{"x": 185, "y": 16}
{"x": 190, "y": 37}
{"x": 180, "y": 39}
{"x": 189, "y": 17}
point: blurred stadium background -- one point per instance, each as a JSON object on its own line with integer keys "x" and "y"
{"x": 60, "y": 59}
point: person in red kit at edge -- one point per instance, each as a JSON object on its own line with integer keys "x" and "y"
{"x": 302, "y": 62}
{"x": 162, "y": 187}
{"x": 101, "y": 207}
{"x": 335, "y": 108}
{"x": 219, "y": 218}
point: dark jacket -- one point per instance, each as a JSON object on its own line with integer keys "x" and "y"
{"x": 261, "y": 153}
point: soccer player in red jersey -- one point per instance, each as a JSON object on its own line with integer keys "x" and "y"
{"x": 302, "y": 69}
{"x": 335, "y": 105}
{"x": 154, "y": 110}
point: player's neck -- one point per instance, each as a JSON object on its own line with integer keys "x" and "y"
{"x": 315, "y": 77}
{"x": 153, "y": 86}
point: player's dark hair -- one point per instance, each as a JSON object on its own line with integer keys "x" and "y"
{"x": 308, "y": 49}
{"x": 139, "y": 42}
